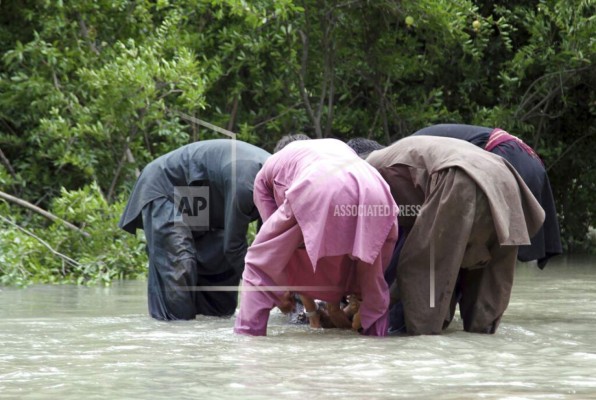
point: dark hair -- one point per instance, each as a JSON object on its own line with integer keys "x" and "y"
{"x": 286, "y": 139}
{"x": 363, "y": 147}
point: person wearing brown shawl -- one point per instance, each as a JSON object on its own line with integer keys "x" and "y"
{"x": 467, "y": 211}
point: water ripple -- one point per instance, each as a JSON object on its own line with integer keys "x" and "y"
{"x": 69, "y": 342}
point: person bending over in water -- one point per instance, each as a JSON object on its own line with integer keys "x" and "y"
{"x": 467, "y": 211}
{"x": 318, "y": 237}
{"x": 186, "y": 251}
{"x": 546, "y": 243}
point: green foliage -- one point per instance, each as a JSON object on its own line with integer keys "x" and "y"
{"x": 92, "y": 90}
{"x": 251, "y": 233}
{"x": 109, "y": 253}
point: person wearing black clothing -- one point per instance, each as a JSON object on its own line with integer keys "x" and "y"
{"x": 195, "y": 205}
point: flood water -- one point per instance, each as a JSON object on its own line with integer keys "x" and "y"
{"x": 69, "y": 342}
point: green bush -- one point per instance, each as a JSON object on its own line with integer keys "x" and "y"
{"x": 108, "y": 253}
{"x": 91, "y": 91}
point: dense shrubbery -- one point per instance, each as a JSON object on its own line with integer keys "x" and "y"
{"x": 91, "y": 90}
{"x": 51, "y": 252}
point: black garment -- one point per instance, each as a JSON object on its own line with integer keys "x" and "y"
{"x": 477, "y": 135}
{"x": 178, "y": 263}
{"x": 547, "y": 242}
{"x": 183, "y": 256}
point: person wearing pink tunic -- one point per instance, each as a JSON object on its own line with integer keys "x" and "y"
{"x": 329, "y": 228}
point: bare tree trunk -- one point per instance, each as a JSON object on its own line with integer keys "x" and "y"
{"x": 127, "y": 155}
{"x": 382, "y": 111}
{"x": 327, "y": 84}
{"x": 329, "y": 75}
{"x": 116, "y": 175}
{"x": 234, "y": 113}
{"x": 302, "y": 78}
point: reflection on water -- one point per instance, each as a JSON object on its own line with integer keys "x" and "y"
{"x": 66, "y": 342}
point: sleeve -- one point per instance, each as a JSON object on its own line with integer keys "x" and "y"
{"x": 265, "y": 271}
{"x": 255, "y": 305}
{"x": 238, "y": 215}
{"x": 263, "y": 196}
{"x": 374, "y": 308}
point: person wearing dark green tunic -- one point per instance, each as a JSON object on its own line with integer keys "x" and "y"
{"x": 195, "y": 205}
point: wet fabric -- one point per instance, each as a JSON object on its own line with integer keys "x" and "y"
{"x": 547, "y": 241}
{"x": 177, "y": 266}
{"x": 321, "y": 234}
{"x": 183, "y": 256}
{"x": 464, "y": 223}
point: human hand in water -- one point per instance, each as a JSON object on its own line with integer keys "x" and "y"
{"x": 286, "y": 303}
{"x": 356, "y": 323}
{"x": 311, "y": 310}
{"x": 338, "y": 316}
{"x": 352, "y": 310}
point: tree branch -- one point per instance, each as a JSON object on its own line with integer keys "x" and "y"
{"x": 347, "y": 4}
{"x": 126, "y": 156}
{"x": 329, "y": 75}
{"x": 85, "y": 33}
{"x": 54, "y": 252}
{"x": 48, "y": 215}
{"x": 276, "y": 116}
{"x": 374, "y": 123}
{"x": 382, "y": 111}
{"x": 131, "y": 159}
{"x": 529, "y": 96}
{"x": 330, "y": 99}
{"x": 545, "y": 100}
{"x": 234, "y": 113}
{"x": 7, "y": 164}
{"x": 570, "y": 147}
{"x": 116, "y": 175}
{"x": 302, "y": 86}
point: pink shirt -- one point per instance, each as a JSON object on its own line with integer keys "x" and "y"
{"x": 329, "y": 227}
